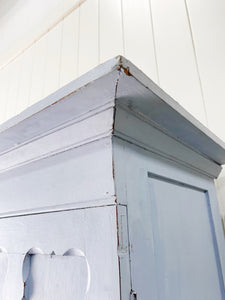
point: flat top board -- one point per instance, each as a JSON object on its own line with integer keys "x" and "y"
{"x": 115, "y": 79}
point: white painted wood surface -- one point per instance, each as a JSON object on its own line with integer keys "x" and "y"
{"x": 111, "y": 36}
{"x": 26, "y": 69}
{"x": 178, "y": 74}
{"x": 210, "y": 49}
{"x": 70, "y": 47}
{"x": 139, "y": 36}
{"x": 38, "y": 71}
{"x": 12, "y": 89}
{"x": 53, "y": 57}
{"x": 88, "y": 37}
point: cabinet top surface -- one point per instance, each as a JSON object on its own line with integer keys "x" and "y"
{"x": 119, "y": 82}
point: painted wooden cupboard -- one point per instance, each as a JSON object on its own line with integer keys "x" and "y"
{"x": 107, "y": 193}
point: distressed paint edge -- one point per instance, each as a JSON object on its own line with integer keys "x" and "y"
{"x": 74, "y": 86}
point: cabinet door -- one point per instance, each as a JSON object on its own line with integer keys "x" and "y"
{"x": 67, "y": 255}
{"x": 184, "y": 258}
{"x": 175, "y": 233}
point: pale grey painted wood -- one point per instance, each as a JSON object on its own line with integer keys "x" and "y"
{"x": 185, "y": 261}
{"x": 60, "y": 181}
{"x": 131, "y": 127}
{"x": 88, "y": 128}
{"x": 70, "y": 283}
{"x": 123, "y": 252}
{"x": 142, "y": 95}
{"x": 81, "y": 230}
{"x": 120, "y": 79}
{"x": 66, "y": 105}
{"x": 76, "y": 195}
{"x": 174, "y": 234}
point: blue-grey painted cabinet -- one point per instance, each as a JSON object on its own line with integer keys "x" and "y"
{"x": 107, "y": 193}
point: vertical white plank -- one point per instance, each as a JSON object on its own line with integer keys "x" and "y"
{"x": 138, "y": 36}
{"x": 89, "y": 36}
{"x": 110, "y": 29}
{"x": 53, "y": 57}
{"x": 178, "y": 72}
{"x": 25, "y": 80}
{"x": 38, "y": 71}
{"x": 14, "y": 74}
{"x": 69, "y": 57}
{"x": 207, "y": 18}
{"x": 4, "y": 80}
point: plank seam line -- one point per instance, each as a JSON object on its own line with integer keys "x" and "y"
{"x": 33, "y": 41}
{"x": 154, "y": 41}
{"x": 196, "y": 60}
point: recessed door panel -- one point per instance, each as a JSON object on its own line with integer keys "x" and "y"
{"x": 184, "y": 257}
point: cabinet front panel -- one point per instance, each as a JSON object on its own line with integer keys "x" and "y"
{"x": 63, "y": 255}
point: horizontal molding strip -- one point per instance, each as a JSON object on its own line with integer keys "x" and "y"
{"x": 74, "y": 121}
{"x": 153, "y": 139}
{"x": 108, "y": 201}
{"x": 77, "y": 134}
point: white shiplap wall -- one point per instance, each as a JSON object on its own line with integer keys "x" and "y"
{"x": 179, "y": 44}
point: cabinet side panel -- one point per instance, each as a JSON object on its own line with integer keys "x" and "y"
{"x": 173, "y": 223}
